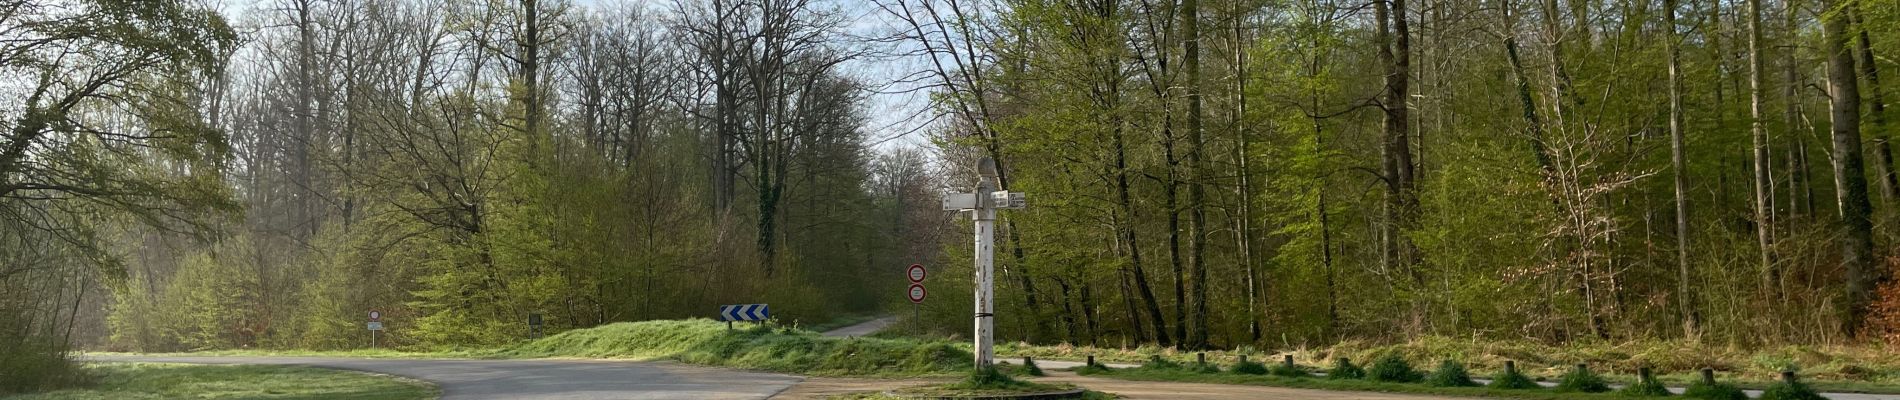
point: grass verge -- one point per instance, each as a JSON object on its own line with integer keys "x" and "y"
{"x": 1183, "y": 375}
{"x": 707, "y": 342}
{"x": 137, "y": 381}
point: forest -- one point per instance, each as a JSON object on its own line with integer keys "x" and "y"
{"x": 189, "y": 175}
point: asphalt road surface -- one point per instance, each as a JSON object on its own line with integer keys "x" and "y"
{"x": 865, "y": 328}
{"x": 550, "y": 379}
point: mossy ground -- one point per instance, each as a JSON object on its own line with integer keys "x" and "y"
{"x": 139, "y": 381}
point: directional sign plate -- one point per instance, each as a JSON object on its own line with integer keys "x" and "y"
{"x": 375, "y": 326}
{"x": 916, "y": 273}
{"x": 959, "y": 201}
{"x": 917, "y": 293}
{"x": 744, "y": 312}
{"x": 1005, "y": 199}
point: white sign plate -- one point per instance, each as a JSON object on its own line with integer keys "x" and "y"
{"x": 1004, "y": 199}
{"x": 375, "y": 326}
{"x": 959, "y": 201}
{"x": 917, "y": 293}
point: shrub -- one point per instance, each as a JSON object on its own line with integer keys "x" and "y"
{"x": 1582, "y": 380}
{"x": 1718, "y": 391}
{"x": 1646, "y": 386}
{"x": 1392, "y": 368}
{"x": 1290, "y": 371}
{"x": 1450, "y": 374}
{"x": 1511, "y": 379}
{"x": 1156, "y": 362}
{"x": 1343, "y": 369}
{"x": 1248, "y": 368}
{"x": 1789, "y": 389}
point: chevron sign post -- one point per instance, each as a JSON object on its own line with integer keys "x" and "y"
{"x": 744, "y": 312}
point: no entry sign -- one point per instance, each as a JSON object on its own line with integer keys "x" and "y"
{"x": 917, "y": 273}
{"x": 917, "y": 293}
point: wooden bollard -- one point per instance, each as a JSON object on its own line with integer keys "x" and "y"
{"x": 1091, "y": 361}
{"x": 1787, "y": 377}
{"x": 1287, "y": 361}
{"x": 1581, "y": 367}
{"x": 1708, "y": 376}
{"x": 1243, "y": 358}
{"x": 1027, "y": 361}
{"x": 1510, "y": 367}
{"x": 1200, "y": 358}
{"x": 1642, "y": 374}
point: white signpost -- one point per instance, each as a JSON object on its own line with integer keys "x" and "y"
{"x": 982, "y": 205}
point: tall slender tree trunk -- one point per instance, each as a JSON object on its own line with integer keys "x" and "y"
{"x": 1877, "y": 110}
{"x": 1395, "y": 50}
{"x": 1197, "y": 182}
{"x": 1850, "y": 179}
{"x": 1685, "y": 295}
{"x": 1764, "y": 182}
{"x": 1244, "y": 236}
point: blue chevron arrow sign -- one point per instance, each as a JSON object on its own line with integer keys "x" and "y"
{"x": 744, "y": 312}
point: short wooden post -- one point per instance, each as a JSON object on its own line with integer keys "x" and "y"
{"x": 1200, "y": 358}
{"x": 1642, "y": 375}
{"x": 1787, "y": 377}
{"x": 1510, "y": 367}
{"x": 1027, "y": 361}
{"x": 1287, "y": 361}
{"x": 1581, "y": 367}
{"x": 1091, "y": 361}
{"x": 1708, "y": 376}
{"x": 1243, "y": 358}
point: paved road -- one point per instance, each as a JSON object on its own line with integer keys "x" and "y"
{"x": 862, "y": 329}
{"x": 541, "y": 379}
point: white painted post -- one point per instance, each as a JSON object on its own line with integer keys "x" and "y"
{"x": 982, "y": 206}
{"x": 985, "y": 217}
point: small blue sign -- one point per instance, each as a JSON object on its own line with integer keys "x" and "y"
{"x": 744, "y": 312}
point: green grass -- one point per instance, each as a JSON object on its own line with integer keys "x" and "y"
{"x": 136, "y": 381}
{"x": 1147, "y": 374}
{"x": 708, "y": 342}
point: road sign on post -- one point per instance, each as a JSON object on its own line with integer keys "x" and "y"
{"x": 916, "y": 273}
{"x": 917, "y": 293}
{"x": 982, "y": 205}
{"x": 744, "y": 312}
{"x": 375, "y": 326}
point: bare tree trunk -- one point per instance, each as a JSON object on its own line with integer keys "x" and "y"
{"x": 1764, "y": 183}
{"x": 1877, "y": 110}
{"x": 1685, "y": 295}
{"x": 1197, "y": 184}
{"x": 1850, "y": 179}
{"x": 1244, "y": 236}
{"x": 1395, "y": 51}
